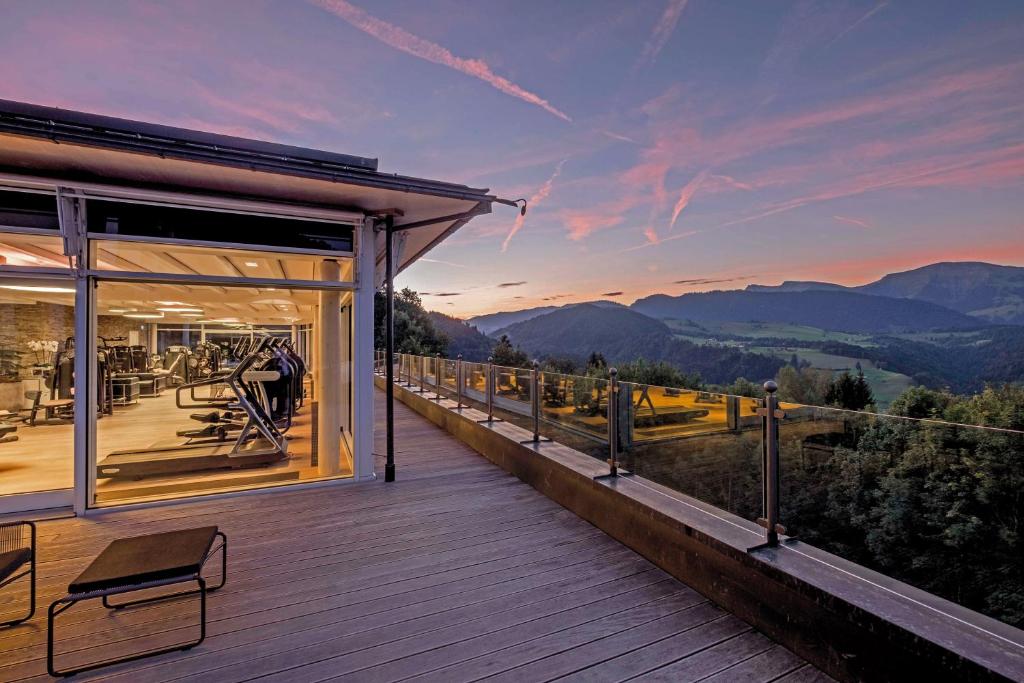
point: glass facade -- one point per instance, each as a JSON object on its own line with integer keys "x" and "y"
{"x": 204, "y": 354}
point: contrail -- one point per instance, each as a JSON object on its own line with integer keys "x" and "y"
{"x": 663, "y": 29}
{"x": 537, "y": 198}
{"x": 400, "y": 39}
{"x": 860, "y": 21}
{"x": 685, "y": 195}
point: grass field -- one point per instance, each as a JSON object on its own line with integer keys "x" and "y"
{"x": 885, "y": 384}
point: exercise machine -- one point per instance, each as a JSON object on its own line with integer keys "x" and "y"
{"x": 259, "y": 442}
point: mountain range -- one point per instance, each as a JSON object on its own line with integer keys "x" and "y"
{"x": 950, "y": 295}
{"x": 987, "y": 291}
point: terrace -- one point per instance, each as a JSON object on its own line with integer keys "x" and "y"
{"x": 729, "y": 494}
{"x": 457, "y": 571}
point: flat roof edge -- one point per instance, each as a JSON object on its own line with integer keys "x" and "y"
{"x": 106, "y": 132}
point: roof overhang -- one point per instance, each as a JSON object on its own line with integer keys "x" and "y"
{"x": 68, "y": 147}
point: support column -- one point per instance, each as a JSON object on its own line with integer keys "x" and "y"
{"x": 329, "y": 385}
{"x": 362, "y": 322}
{"x": 389, "y": 282}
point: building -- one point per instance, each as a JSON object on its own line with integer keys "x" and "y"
{"x": 137, "y": 260}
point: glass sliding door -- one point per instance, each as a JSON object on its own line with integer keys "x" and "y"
{"x": 233, "y": 408}
{"x": 37, "y": 383}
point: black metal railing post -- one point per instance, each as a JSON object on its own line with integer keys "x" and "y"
{"x": 489, "y": 388}
{"x": 535, "y": 399}
{"x": 423, "y": 374}
{"x": 770, "y": 416}
{"x": 458, "y": 382}
{"x": 613, "y": 422}
{"x": 438, "y": 371}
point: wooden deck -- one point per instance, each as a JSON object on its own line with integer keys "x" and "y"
{"x": 456, "y": 572}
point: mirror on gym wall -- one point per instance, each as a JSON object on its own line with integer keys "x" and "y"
{"x": 210, "y": 389}
{"x": 37, "y": 384}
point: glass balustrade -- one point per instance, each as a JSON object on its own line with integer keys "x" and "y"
{"x": 931, "y": 503}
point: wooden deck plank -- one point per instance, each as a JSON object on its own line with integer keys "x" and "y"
{"x": 455, "y": 572}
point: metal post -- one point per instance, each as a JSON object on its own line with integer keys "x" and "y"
{"x": 389, "y": 279}
{"x": 535, "y": 399}
{"x": 423, "y": 374}
{"x": 489, "y": 388}
{"x": 613, "y": 422}
{"x": 770, "y": 415}
{"x": 458, "y": 381}
{"x": 438, "y": 371}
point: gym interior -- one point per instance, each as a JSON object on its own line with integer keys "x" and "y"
{"x": 199, "y": 388}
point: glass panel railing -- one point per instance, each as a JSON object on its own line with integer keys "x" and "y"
{"x": 574, "y": 411}
{"x": 474, "y": 385}
{"x": 700, "y": 443}
{"x": 934, "y": 504}
{"x": 448, "y": 378}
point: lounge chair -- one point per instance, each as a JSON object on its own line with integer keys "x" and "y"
{"x": 18, "y": 551}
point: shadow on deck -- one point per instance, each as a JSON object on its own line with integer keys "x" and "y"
{"x": 456, "y": 572}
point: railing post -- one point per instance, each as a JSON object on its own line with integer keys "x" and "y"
{"x": 535, "y": 396}
{"x": 613, "y": 422}
{"x": 423, "y": 374}
{"x": 770, "y": 415}
{"x": 408, "y": 369}
{"x": 489, "y": 388}
{"x": 458, "y": 382}
{"x": 438, "y": 371}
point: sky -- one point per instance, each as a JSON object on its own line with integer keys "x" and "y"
{"x": 664, "y": 146}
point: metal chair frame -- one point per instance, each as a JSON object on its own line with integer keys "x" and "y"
{"x": 62, "y": 605}
{"x": 30, "y": 572}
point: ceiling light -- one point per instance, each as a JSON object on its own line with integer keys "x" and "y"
{"x": 252, "y": 264}
{"x": 180, "y": 309}
{"x": 171, "y": 303}
{"x": 120, "y": 310}
{"x": 34, "y": 288}
{"x": 144, "y": 315}
{"x": 191, "y": 315}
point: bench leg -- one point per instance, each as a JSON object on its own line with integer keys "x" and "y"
{"x": 60, "y": 606}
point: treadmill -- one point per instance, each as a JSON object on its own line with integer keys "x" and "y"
{"x": 259, "y": 443}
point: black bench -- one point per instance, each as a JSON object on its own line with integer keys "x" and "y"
{"x": 139, "y": 563}
{"x": 17, "y": 560}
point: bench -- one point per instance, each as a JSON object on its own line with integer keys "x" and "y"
{"x": 139, "y": 563}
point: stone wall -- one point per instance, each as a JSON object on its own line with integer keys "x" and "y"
{"x": 20, "y": 323}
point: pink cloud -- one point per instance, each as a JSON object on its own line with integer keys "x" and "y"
{"x": 583, "y": 223}
{"x": 651, "y": 235}
{"x": 400, "y": 39}
{"x": 538, "y": 197}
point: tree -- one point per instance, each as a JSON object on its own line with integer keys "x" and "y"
{"x": 414, "y": 330}
{"x": 849, "y": 392}
{"x": 743, "y": 387}
{"x": 660, "y": 373}
{"x": 596, "y": 362}
{"x": 563, "y": 366}
{"x": 509, "y": 356}
{"x": 803, "y": 385}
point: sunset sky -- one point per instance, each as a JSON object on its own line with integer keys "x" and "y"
{"x": 665, "y": 145}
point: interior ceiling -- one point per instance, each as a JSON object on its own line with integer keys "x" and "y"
{"x": 41, "y": 157}
{"x": 241, "y": 305}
